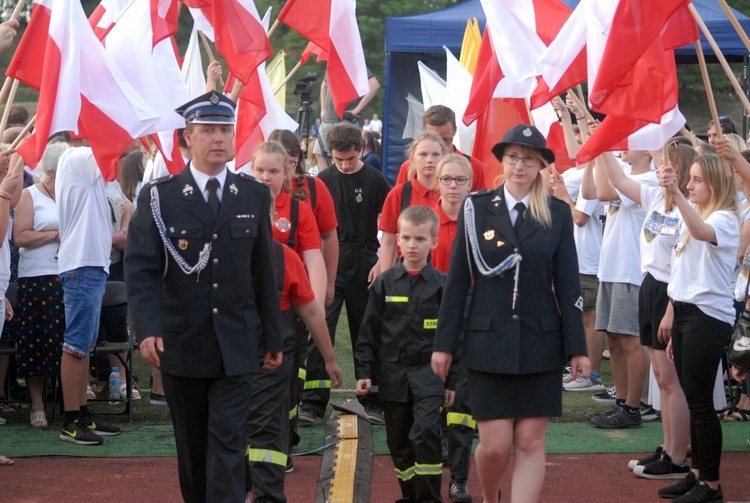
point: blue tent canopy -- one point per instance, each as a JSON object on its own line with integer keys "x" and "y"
{"x": 421, "y": 37}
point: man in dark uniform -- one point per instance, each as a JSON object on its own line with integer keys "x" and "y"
{"x": 204, "y": 298}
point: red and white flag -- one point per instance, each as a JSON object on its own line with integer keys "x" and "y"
{"x": 153, "y": 71}
{"x": 164, "y": 19}
{"x": 238, "y": 34}
{"x": 332, "y": 25}
{"x": 80, "y": 88}
{"x": 311, "y": 50}
{"x": 105, "y": 15}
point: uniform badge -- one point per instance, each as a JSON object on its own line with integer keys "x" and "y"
{"x": 182, "y": 244}
{"x": 500, "y": 243}
{"x": 214, "y": 99}
{"x": 359, "y": 195}
{"x": 283, "y": 224}
{"x": 187, "y": 190}
{"x": 233, "y": 189}
{"x": 579, "y": 304}
{"x": 527, "y": 132}
{"x": 497, "y": 198}
{"x": 489, "y": 235}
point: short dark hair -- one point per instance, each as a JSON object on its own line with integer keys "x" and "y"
{"x": 181, "y": 138}
{"x": 420, "y": 215}
{"x": 438, "y": 115}
{"x": 344, "y": 138}
{"x": 19, "y": 115}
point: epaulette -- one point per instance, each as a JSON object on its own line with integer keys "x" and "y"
{"x": 479, "y": 193}
{"x": 161, "y": 179}
{"x": 245, "y": 176}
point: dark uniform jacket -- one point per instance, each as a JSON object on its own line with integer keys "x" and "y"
{"x": 218, "y": 322}
{"x": 546, "y": 326}
{"x": 397, "y": 333}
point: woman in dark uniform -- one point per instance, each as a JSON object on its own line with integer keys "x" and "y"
{"x": 515, "y": 245}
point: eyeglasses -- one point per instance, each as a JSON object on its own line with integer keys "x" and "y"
{"x": 529, "y": 162}
{"x": 460, "y": 180}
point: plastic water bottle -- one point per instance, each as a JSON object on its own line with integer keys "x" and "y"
{"x": 114, "y": 384}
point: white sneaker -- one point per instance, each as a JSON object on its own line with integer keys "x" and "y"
{"x": 584, "y": 384}
{"x": 567, "y": 378}
{"x": 134, "y": 393}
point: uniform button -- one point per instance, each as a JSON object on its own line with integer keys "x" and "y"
{"x": 515, "y": 316}
{"x": 215, "y": 237}
{"x": 515, "y": 250}
{"x": 215, "y": 311}
{"x": 216, "y": 286}
{"x": 215, "y": 261}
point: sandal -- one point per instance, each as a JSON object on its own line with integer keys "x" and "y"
{"x": 6, "y": 461}
{"x": 134, "y": 393}
{"x": 39, "y": 419}
{"x": 738, "y": 416}
{"x": 90, "y": 395}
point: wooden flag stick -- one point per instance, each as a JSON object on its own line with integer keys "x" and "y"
{"x": 722, "y": 59}
{"x": 710, "y": 97}
{"x": 6, "y": 88}
{"x": 273, "y": 27}
{"x": 735, "y": 23}
{"x": 17, "y": 11}
{"x": 288, "y": 77}
{"x": 579, "y": 91}
{"x": 22, "y": 134}
{"x": 6, "y": 112}
{"x": 207, "y": 47}
{"x": 528, "y": 111}
{"x": 581, "y": 104}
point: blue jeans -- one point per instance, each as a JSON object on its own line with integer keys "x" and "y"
{"x": 698, "y": 342}
{"x": 83, "y": 289}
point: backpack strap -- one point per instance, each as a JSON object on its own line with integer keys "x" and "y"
{"x": 406, "y": 195}
{"x": 295, "y": 221}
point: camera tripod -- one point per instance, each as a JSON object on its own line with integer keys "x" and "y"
{"x": 306, "y": 121}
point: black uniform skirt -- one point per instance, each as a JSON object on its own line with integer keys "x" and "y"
{"x": 503, "y": 396}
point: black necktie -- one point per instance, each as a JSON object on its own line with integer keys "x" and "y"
{"x": 213, "y": 197}
{"x": 520, "y": 208}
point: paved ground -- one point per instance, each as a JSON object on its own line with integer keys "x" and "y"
{"x": 590, "y": 478}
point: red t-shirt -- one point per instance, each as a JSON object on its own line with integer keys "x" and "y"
{"x": 420, "y": 196}
{"x": 297, "y": 288}
{"x": 441, "y": 254}
{"x": 307, "y": 237}
{"x": 477, "y": 181}
{"x": 325, "y": 212}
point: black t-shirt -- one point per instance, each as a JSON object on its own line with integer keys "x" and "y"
{"x": 358, "y": 199}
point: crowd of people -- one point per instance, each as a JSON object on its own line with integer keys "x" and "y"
{"x": 472, "y": 305}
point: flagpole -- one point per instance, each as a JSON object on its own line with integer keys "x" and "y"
{"x": 581, "y": 104}
{"x": 207, "y": 47}
{"x": 6, "y": 87}
{"x": 722, "y": 59}
{"x": 22, "y": 135}
{"x": 528, "y": 111}
{"x": 288, "y": 77}
{"x": 11, "y": 97}
{"x": 710, "y": 97}
{"x": 273, "y": 27}
{"x": 735, "y": 23}
{"x": 17, "y": 11}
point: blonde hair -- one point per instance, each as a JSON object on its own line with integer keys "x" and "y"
{"x": 276, "y": 148}
{"x": 538, "y": 194}
{"x": 453, "y": 159}
{"x": 412, "y": 150}
{"x": 722, "y": 187}
{"x": 736, "y": 141}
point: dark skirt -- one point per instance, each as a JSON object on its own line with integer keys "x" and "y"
{"x": 504, "y": 396}
{"x": 40, "y": 320}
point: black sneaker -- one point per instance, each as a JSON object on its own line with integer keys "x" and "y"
{"x": 75, "y": 433}
{"x": 98, "y": 426}
{"x": 308, "y": 417}
{"x": 662, "y": 468}
{"x": 289, "y": 464}
{"x": 607, "y": 396}
{"x": 620, "y": 419}
{"x": 678, "y": 489}
{"x": 608, "y": 412}
{"x": 157, "y": 399}
{"x": 459, "y": 493}
{"x": 644, "y": 461}
{"x": 648, "y": 413}
{"x": 374, "y": 414}
{"x": 701, "y": 493}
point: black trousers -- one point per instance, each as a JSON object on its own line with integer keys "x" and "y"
{"x": 351, "y": 287}
{"x": 209, "y": 417}
{"x": 412, "y": 431}
{"x": 460, "y": 428}
{"x": 698, "y": 343}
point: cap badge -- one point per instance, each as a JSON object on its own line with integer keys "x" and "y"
{"x": 214, "y": 99}
{"x": 527, "y": 132}
{"x": 489, "y": 235}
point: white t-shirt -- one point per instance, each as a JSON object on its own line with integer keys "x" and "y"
{"x": 376, "y": 126}
{"x": 659, "y": 234}
{"x": 620, "y": 261}
{"x": 83, "y": 210}
{"x": 589, "y": 237}
{"x": 5, "y": 264}
{"x": 702, "y": 272}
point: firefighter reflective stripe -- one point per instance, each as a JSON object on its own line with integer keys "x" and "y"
{"x": 395, "y": 298}
{"x": 424, "y": 469}
{"x": 266, "y": 456}
{"x": 293, "y": 413}
{"x": 407, "y": 474}
{"x": 461, "y": 419}
{"x": 323, "y": 384}
{"x": 302, "y": 374}
{"x": 429, "y": 324}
